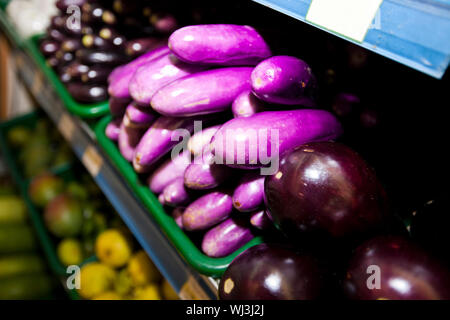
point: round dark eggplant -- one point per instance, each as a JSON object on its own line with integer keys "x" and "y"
{"x": 49, "y": 47}
{"x": 87, "y": 93}
{"x": 103, "y": 57}
{"x": 96, "y": 74}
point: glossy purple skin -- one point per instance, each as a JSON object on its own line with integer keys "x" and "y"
{"x": 128, "y": 139}
{"x": 161, "y": 199}
{"x": 294, "y": 127}
{"x": 119, "y": 81}
{"x": 117, "y": 106}
{"x": 177, "y": 215}
{"x": 203, "y": 174}
{"x": 154, "y": 75}
{"x": 202, "y": 93}
{"x": 249, "y": 195}
{"x": 345, "y": 104}
{"x": 137, "y": 47}
{"x": 219, "y": 44}
{"x": 284, "y": 80}
{"x": 200, "y": 139}
{"x": 261, "y": 221}
{"x": 406, "y": 272}
{"x": 64, "y": 4}
{"x": 169, "y": 171}
{"x": 136, "y": 117}
{"x": 49, "y": 47}
{"x": 113, "y": 129}
{"x": 157, "y": 141}
{"x": 246, "y": 104}
{"x": 226, "y": 238}
{"x": 325, "y": 188}
{"x": 207, "y": 211}
{"x": 271, "y": 272}
{"x": 175, "y": 193}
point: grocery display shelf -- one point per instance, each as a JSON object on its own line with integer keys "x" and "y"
{"x": 188, "y": 283}
{"x": 412, "y": 32}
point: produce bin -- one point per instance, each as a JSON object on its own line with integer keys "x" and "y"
{"x": 82, "y": 110}
{"x": 199, "y": 261}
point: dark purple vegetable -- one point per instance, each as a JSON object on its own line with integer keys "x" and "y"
{"x": 226, "y": 238}
{"x": 49, "y": 47}
{"x": 96, "y": 74}
{"x": 62, "y": 5}
{"x": 56, "y": 35}
{"x": 153, "y": 75}
{"x": 71, "y": 45}
{"x": 137, "y": 117}
{"x": 105, "y": 58}
{"x": 112, "y": 36}
{"x": 246, "y": 105}
{"x": 75, "y": 69}
{"x": 58, "y": 22}
{"x": 175, "y": 193}
{"x": 249, "y": 195}
{"x": 208, "y": 210}
{"x": 87, "y": 93}
{"x": 272, "y": 272}
{"x": 92, "y": 41}
{"x": 202, "y": 93}
{"x": 113, "y": 129}
{"x": 219, "y": 44}
{"x": 128, "y": 140}
{"x": 117, "y": 106}
{"x": 325, "y": 188}
{"x": 164, "y": 23}
{"x": 169, "y": 171}
{"x": 138, "y": 47}
{"x": 392, "y": 268}
{"x": 52, "y": 62}
{"x": 236, "y": 142}
{"x": 204, "y": 174}
{"x": 344, "y": 104}
{"x": 284, "y": 80}
{"x": 120, "y": 80}
{"x": 64, "y": 58}
{"x": 177, "y": 215}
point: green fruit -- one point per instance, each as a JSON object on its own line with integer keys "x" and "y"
{"x": 77, "y": 190}
{"x": 12, "y": 210}
{"x": 18, "y": 136}
{"x": 36, "y": 286}
{"x": 89, "y": 246}
{"x": 63, "y": 216}
{"x": 44, "y": 188}
{"x": 20, "y": 264}
{"x": 17, "y": 238}
{"x": 70, "y": 252}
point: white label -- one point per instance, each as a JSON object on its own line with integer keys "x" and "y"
{"x": 350, "y": 18}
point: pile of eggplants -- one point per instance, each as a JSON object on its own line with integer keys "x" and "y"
{"x": 109, "y": 33}
{"x": 225, "y": 76}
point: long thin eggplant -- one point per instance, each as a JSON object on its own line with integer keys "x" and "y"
{"x": 176, "y": 194}
{"x": 200, "y": 139}
{"x": 249, "y": 195}
{"x": 128, "y": 140}
{"x": 246, "y": 104}
{"x": 96, "y": 74}
{"x": 136, "y": 117}
{"x": 86, "y": 93}
{"x": 113, "y": 128}
{"x": 117, "y": 106}
{"x": 106, "y": 58}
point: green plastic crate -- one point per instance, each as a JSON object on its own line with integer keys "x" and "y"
{"x": 192, "y": 254}
{"x": 82, "y": 110}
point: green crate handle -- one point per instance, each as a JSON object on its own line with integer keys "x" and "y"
{"x": 82, "y": 110}
{"x": 199, "y": 261}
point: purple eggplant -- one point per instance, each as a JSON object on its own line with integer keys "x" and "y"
{"x": 157, "y": 141}
{"x": 137, "y": 47}
{"x": 207, "y": 211}
{"x": 92, "y": 41}
{"x": 56, "y": 34}
{"x": 161, "y": 199}
{"x": 154, "y": 75}
{"x": 128, "y": 140}
{"x": 62, "y": 5}
{"x": 75, "y": 69}
{"x": 103, "y": 57}
{"x": 203, "y": 174}
{"x": 202, "y": 93}
{"x": 49, "y": 47}
{"x": 219, "y": 44}
{"x": 177, "y": 215}
{"x": 96, "y": 74}
{"x": 164, "y": 23}
{"x": 87, "y": 93}
{"x": 136, "y": 117}
{"x": 119, "y": 80}
{"x": 71, "y": 45}
{"x": 258, "y": 140}
{"x": 226, "y": 238}
{"x": 113, "y": 129}
{"x": 284, "y": 80}
{"x": 249, "y": 195}
{"x": 175, "y": 193}
{"x": 200, "y": 139}
{"x": 261, "y": 221}
{"x": 117, "y": 106}
{"x": 169, "y": 171}
{"x": 246, "y": 105}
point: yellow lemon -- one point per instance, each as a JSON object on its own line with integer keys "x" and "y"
{"x": 95, "y": 279}
{"x": 149, "y": 292}
{"x": 142, "y": 270}
{"x": 70, "y": 252}
{"x": 124, "y": 283}
{"x": 113, "y": 248}
{"x": 109, "y": 295}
